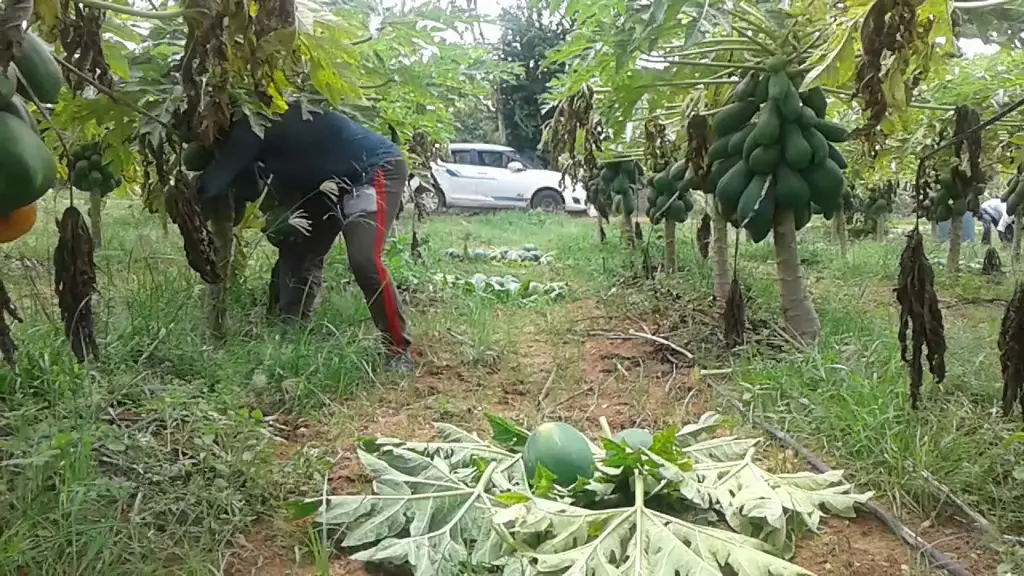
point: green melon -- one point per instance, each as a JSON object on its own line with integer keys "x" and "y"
{"x": 562, "y": 449}
{"x": 635, "y": 438}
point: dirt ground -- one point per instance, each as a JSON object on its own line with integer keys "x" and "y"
{"x": 629, "y": 381}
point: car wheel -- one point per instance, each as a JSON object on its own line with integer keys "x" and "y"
{"x": 431, "y": 199}
{"x": 547, "y": 200}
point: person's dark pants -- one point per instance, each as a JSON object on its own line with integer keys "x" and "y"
{"x": 297, "y": 276}
{"x": 987, "y": 224}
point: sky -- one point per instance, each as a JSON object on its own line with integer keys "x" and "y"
{"x": 970, "y": 47}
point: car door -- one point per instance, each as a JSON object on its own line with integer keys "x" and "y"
{"x": 458, "y": 178}
{"x": 503, "y": 187}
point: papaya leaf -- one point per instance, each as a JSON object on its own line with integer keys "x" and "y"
{"x": 772, "y": 508}
{"x": 556, "y": 537}
{"x": 695, "y": 28}
{"x": 459, "y": 504}
{"x": 506, "y": 433}
{"x": 457, "y": 450}
{"x": 941, "y": 12}
{"x": 428, "y": 521}
{"x": 836, "y": 66}
{"x": 543, "y": 481}
{"x": 727, "y": 448}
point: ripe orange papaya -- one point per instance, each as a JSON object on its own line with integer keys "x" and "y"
{"x": 17, "y": 223}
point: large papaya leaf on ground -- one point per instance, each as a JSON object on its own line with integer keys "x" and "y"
{"x": 774, "y": 508}
{"x": 552, "y": 537}
{"x": 432, "y": 521}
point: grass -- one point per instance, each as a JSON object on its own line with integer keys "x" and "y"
{"x": 164, "y": 455}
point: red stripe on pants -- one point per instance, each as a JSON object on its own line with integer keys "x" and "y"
{"x": 387, "y": 292}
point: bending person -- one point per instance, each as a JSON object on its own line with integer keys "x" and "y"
{"x": 300, "y": 151}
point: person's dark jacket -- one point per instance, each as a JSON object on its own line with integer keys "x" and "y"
{"x": 300, "y": 154}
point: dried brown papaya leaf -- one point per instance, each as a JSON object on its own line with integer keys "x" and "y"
{"x": 920, "y": 316}
{"x": 183, "y": 208}
{"x": 74, "y": 282}
{"x": 697, "y": 130}
{"x": 704, "y": 236}
{"x": 8, "y": 347}
{"x": 735, "y": 317}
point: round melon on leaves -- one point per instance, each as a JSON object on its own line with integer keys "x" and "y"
{"x": 562, "y": 450}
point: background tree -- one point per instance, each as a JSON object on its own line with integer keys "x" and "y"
{"x": 528, "y": 33}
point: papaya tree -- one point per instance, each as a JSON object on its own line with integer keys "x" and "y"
{"x": 667, "y": 54}
{"x": 124, "y": 92}
{"x": 660, "y": 155}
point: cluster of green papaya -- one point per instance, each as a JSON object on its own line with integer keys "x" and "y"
{"x": 90, "y": 174}
{"x": 29, "y": 168}
{"x": 620, "y": 179}
{"x": 877, "y": 206}
{"x": 669, "y": 197}
{"x": 952, "y": 199}
{"x": 1014, "y": 193}
{"x": 783, "y": 159}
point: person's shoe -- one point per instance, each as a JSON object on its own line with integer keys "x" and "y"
{"x": 402, "y": 363}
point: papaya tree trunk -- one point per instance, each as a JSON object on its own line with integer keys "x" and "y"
{"x": 627, "y": 230}
{"x": 956, "y": 227}
{"x": 221, "y": 226}
{"x": 1015, "y": 251}
{"x": 96, "y": 220}
{"x": 670, "y": 247}
{"x": 801, "y": 319}
{"x": 839, "y": 232}
{"x": 935, "y": 229}
{"x": 720, "y": 252}
{"x": 880, "y": 227}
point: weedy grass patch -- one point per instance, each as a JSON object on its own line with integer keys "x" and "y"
{"x": 174, "y": 450}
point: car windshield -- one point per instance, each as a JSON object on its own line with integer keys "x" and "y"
{"x": 517, "y": 157}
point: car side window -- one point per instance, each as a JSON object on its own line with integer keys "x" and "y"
{"x": 464, "y": 157}
{"x": 493, "y": 159}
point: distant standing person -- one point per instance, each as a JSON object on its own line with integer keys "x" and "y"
{"x": 993, "y": 212}
{"x": 1005, "y": 227}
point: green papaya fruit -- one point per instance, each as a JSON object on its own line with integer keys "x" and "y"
{"x": 732, "y": 185}
{"x": 826, "y": 183}
{"x": 719, "y": 150}
{"x": 815, "y": 99}
{"x": 795, "y": 149}
{"x": 836, "y": 156}
{"x": 747, "y": 88}
{"x": 768, "y": 125}
{"x": 765, "y": 159}
{"x": 718, "y": 171}
{"x": 739, "y": 140}
{"x": 752, "y": 194}
{"x": 790, "y": 106}
{"x": 791, "y": 191}
{"x": 818, "y": 144}
{"x": 678, "y": 171}
{"x": 733, "y": 117}
{"x": 832, "y": 131}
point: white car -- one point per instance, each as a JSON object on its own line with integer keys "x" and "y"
{"x": 483, "y": 176}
